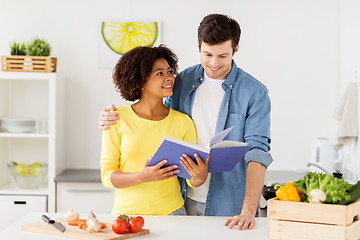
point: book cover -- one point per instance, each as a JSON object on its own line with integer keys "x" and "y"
{"x": 224, "y": 155}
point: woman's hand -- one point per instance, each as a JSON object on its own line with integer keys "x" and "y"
{"x": 198, "y": 172}
{"x": 156, "y": 173}
{"x": 107, "y": 117}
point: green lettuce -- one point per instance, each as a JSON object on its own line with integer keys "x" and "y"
{"x": 335, "y": 189}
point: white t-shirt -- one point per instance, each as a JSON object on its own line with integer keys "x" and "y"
{"x": 207, "y": 101}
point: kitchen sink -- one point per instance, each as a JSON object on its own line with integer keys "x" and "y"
{"x": 273, "y": 177}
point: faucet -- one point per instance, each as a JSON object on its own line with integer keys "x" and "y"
{"x": 318, "y": 166}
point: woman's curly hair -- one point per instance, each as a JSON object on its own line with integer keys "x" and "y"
{"x": 134, "y": 68}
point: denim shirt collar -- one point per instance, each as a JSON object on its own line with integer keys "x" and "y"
{"x": 231, "y": 77}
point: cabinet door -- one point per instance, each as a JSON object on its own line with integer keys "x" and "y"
{"x": 14, "y": 207}
{"x": 84, "y": 196}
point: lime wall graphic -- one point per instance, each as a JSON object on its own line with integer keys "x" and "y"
{"x": 118, "y": 37}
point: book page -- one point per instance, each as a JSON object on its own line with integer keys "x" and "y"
{"x": 188, "y": 144}
{"x": 220, "y": 136}
{"x": 226, "y": 143}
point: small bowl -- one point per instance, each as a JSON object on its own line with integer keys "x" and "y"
{"x": 28, "y": 176}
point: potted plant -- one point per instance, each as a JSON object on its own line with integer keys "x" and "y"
{"x": 32, "y": 57}
{"x": 38, "y": 47}
{"x": 17, "y": 48}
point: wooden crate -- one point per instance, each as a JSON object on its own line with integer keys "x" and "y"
{"x": 300, "y": 220}
{"x": 28, "y": 64}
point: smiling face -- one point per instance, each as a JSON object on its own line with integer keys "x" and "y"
{"x": 161, "y": 80}
{"x": 217, "y": 59}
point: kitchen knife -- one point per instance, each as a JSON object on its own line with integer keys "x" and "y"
{"x": 57, "y": 225}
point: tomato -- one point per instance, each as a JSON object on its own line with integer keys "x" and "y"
{"x": 125, "y": 218}
{"x": 119, "y": 226}
{"x": 136, "y": 224}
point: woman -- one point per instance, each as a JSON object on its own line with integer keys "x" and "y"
{"x": 146, "y": 74}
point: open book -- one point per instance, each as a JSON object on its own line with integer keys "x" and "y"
{"x": 224, "y": 155}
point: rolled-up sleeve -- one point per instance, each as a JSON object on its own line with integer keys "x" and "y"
{"x": 257, "y": 129}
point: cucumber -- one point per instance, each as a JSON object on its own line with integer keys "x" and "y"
{"x": 354, "y": 194}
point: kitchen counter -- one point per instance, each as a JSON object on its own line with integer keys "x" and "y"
{"x": 161, "y": 227}
{"x": 79, "y": 175}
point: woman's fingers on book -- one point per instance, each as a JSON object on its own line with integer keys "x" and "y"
{"x": 187, "y": 161}
{"x": 206, "y": 161}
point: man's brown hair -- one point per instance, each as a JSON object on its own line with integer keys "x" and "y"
{"x": 219, "y": 28}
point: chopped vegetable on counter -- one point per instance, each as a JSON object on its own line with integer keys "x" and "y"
{"x": 288, "y": 192}
{"x": 335, "y": 189}
{"x": 76, "y": 222}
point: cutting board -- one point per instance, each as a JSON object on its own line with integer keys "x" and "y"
{"x": 77, "y": 233}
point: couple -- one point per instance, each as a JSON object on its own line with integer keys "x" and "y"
{"x": 216, "y": 94}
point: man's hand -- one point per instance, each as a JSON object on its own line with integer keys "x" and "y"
{"x": 243, "y": 221}
{"x": 254, "y": 182}
{"x": 107, "y": 117}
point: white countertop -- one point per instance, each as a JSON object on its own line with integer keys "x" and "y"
{"x": 161, "y": 227}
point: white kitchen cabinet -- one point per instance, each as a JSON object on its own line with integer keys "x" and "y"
{"x": 14, "y": 207}
{"x": 83, "y": 196}
{"x": 38, "y": 96}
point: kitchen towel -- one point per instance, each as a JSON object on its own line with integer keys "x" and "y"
{"x": 347, "y": 114}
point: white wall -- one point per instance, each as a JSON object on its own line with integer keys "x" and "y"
{"x": 350, "y": 70}
{"x": 291, "y": 46}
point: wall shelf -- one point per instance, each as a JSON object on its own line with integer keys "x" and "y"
{"x": 38, "y": 96}
{"x": 23, "y": 135}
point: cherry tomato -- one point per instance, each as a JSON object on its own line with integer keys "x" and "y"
{"x": 136, "y": 224}
{"x": 119, "y": 226}
{"x": 141, "y": 219}
{"x": 125, "y": 218}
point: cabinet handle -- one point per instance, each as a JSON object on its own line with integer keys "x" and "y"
{"x": 20, "y": 202}
{"x": 88, "y": 191}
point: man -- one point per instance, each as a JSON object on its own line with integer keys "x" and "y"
{"x": 217, "y": 95}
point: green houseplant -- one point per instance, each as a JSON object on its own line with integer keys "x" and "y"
{"x": 38, "y": 47}
{"x": 17, "y": 48}
{"x": 32, "y": 57}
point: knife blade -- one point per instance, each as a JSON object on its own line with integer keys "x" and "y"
{"x": 57, "y": 225}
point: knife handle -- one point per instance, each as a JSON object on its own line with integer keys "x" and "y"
{"x": 47, "y": 219}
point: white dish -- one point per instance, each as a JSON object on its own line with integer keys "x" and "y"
{"x": 18, "y": 125}
{"x": 17, "y": 122}
{"x": 19, "y": 129}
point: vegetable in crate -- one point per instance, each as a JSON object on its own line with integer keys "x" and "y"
{"x": 335, "y": 189}
{"x": 354, "y": 195}
{"x": 288, "y": 192}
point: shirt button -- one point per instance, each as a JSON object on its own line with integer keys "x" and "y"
{"x": 231, "y": 86}
{"x": 193, "y": 86}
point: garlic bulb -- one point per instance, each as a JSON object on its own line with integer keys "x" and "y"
{"x": 317, "y": 196}
{"x": 93, "y": 225}
{"x": 71, "y": 215}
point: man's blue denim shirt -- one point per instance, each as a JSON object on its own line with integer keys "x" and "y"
{"x": 246, "y": 106}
